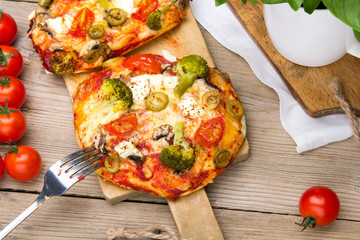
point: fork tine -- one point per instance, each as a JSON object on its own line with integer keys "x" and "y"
{"x": 82, "y": 174}
{"x": 68, "y": 165}
{"x": 78, "y": 153}
{"x": 84, "y": 164}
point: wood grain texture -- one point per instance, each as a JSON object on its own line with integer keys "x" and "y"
{"x": 308, "y": 85}
{"x": 254, "y": 199}
{"x": 190, "y": 220}
{"x": 79, "y": 218}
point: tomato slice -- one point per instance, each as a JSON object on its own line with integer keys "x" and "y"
{"x": 122, "y": 127}
{"x": 210, "y": 132}
{"x": 144, "y": 9}
{"x": 81, "y": 23}
{"x": 143, "y": 63}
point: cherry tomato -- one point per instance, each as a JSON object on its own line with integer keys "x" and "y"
{"x": 123, "y": 127}
{"x": 318, "y": 206}
{"x": 23, "y": 164}
{"x": 143, "y": 63}
{"x": 8, "y": 29}
{"x": 11, "y": 61}
{"x": 2, "y": 167}
{"x": 81, "y": 23}
{"x": 210, "y": 132}
{"x": 13, "y": 91}
{"x": 12, "y": 124}
{"x": 144, "y": 9}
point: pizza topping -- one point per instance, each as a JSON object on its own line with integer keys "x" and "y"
{"x": 190, "y": 107}
{"x": 99, "y": 140}
{"x": 222, "y": 158}
{"x": 210, "y": 132}
{"x": 63, "y": 63}
{"x": 127, "y": 5}
{"x": 123, "y": 127}
{"x": 143, "y": 63}
{"x": 190, "y": 68}
{"x": 96, "y": 31}
{"x": 112, "y": 163}
{"x": 127, "y": 149}
{"x": 115, "y": 92}
{"x": 92, "y": 56}
{"x": 83, "y": 20}
{"x": 157, "y": 101}
{"x": 144, "y": 9}
{"x": 211, "y": 99}
{"x": 44, "y": 3}
{"x": 235, "y": 109}
{"x": 104, "y": 50}
{"x": 164, "y": 131}
{"x": 168, "y": 56}
{"x": 140, "y": 87}
{"x": 116, "y": 17}
{"x": 153, "y": 20}
{"x": 181, "y": 155}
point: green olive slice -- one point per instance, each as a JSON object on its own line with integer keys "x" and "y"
{"x": 116, "y": 17}
{"x": 92, "y": 56}
{"x": 44, "y": 3}
{"x": 112, "y": 163}
{"x": 104, "y": 50}
{"x": 156, "y": 101}
{"x": 235, "y": 109}
{"x": 96, "y": 31}
{"x": 211, "y": 99}
{"x": 222, "y": 158}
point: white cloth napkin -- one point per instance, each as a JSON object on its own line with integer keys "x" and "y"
{"x": 308, "y": 133}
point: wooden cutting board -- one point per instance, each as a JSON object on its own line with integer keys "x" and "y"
{"x": 181, "y": 41}
{"x": 308, "y": 85}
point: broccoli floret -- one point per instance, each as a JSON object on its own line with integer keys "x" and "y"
{"x": 180, "y": 155}
{"x": 153, "y": 20}
{"x": 63, "y": 63}
{"x": 115, "y": 92}
{"x": 190, "y": 68}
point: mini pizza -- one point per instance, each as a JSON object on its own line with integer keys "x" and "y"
{"x": 79, "y": 35}
{"x": 168, "y": 126}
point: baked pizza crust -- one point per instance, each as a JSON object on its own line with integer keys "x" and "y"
{"x": 54, "y": 34}
{"x": 151, "y": 175}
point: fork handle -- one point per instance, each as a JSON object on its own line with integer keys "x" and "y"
{"x": 19, "y": 219}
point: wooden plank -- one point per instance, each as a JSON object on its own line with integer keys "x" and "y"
{"x": 84, "y": 218}
{"x": 202, "y": 225}
{"x": 271, "y": 180}
{"x": 308, "y": 85}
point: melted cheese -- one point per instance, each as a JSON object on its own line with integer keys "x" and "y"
{"x": 190, "y": 107}
{"x": 126, "y": 5}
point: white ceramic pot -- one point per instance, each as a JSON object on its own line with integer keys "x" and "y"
{"x": 313, "y": 40}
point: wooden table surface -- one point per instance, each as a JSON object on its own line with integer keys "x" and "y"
{"x": 255, "y": 199}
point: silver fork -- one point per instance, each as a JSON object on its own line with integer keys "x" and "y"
{"x": 59, "y": 178}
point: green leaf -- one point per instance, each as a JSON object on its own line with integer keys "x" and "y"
{"x": 295, "y": 4}
{"x": 357, "y": 35}
{"x": 347, "y": 11}
{"x": 311, "y": 5}
{"x": 220, "y": 2}
{"x": 273, "y": 1}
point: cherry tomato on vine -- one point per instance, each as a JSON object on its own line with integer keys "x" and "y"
{"x": 12, "y": 124}
{"x": 2, "y": 167}
{"x": 11, "y": 61}
{"x": 318, "y": 206}
{"x": 22, "y": 163}
{"x": 12, "y": 90}
{"x": 8, "y": 29}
